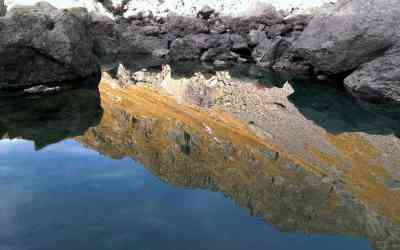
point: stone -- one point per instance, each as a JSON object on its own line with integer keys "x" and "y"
{"x": 205, "y": 12}
{"x": 132, "y": 42}
{"x": 239, "y": 43}
{"x": 255, "y": 37}
{"x": 219, "y": 53}
{"x": 181, "y": 26}
{"x": 184, "y": 49}
{"x": 269, "y": 50}
{"x": 3, "y": 8}
{"x": 45, "y": 45}
{"x": 350, "y": 34}
{"x": 378, "y": 80}
{"x": 220, "y": 63}
{"x": 161, "y": 53}
{"x": 105, "y": 35}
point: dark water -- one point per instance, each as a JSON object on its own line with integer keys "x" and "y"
{"x": 80, "y": 173}
{"x": 69, "y": 197}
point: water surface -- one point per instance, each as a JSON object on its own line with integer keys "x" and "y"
{"x": 130, "y": 168}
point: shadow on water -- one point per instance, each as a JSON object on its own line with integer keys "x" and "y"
{"x": 47, "y": 119}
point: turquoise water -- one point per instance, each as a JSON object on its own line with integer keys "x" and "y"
{"x": 66, "y": 196}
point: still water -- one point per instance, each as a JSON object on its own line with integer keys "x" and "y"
{"x": 129, "y": 168}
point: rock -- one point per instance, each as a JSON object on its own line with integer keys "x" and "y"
{"x": 378, "y": 80}
{"x": 161, "y": 53}
{"x": 105, "y": 35}
{"x": 239, "y": 43}
{"x": 184, "y": 49}
{"x": 45, "y": 45}
{"x": 220, "y": 63}
{"x": 3, "y": 8}
{"x": 132, "y": 42}
{"x": 124, "y": 75}
{"x": 151, "y": 30}
{"x": 351, "y": 33}
{"x": 255, "y": 37}
{"x": 219, "y": 53}
{"x": 205, "y": 12}
{"x": 269, "y": 50}
{"x": 181, "y": 26}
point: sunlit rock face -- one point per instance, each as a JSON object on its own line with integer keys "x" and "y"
{"x": 50, "y": 119}
{"x": 295, "y": 160}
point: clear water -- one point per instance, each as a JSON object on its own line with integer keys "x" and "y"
{"x": 82, "y": 170}
{"x": 69, "y": 197}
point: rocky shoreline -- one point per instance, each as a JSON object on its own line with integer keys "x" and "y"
{"x": 361, "y": 51}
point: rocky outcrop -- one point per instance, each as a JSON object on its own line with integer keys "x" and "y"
{"x": 44, "y": 45}
{"x": 379, "y": 79}
{"x": 357, "y": 35}
{"x": 351, "y": 33}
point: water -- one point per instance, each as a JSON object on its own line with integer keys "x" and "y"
{"x": 132, "y": 169}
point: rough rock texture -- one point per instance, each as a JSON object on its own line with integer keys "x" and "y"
{"x": 3, "y": 8}
{"x": 379, "y": 79}
{"x": 352, "y": 33}
{"x": 44, "y": 45}
{"x": 269, "y": 50}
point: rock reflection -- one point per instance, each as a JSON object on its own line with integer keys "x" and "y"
{"x": 253, "y": 145}
{"x": 50, "y": 119}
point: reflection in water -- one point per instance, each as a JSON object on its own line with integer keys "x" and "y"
{"x": 303, "y": 163}
{"x": 282, "y": 166}
{"x": 50, "y": 119}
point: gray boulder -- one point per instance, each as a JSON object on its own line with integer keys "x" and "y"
{"x": 132, "y": 42}
{"x": 184, "y": 49}
{"x": 378, "y": 80}
{"x": 3, "y": 8}
{"x": 256, "y": 36}
{"x": 269, "y": 50}
{"x": 105, "y": 35}
{"x": 44, "y": 45}
{"x": 349, "y": 34}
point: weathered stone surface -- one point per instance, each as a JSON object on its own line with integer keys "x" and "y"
{"x": 256, "y": 36}
{"x": 44, "y": 45}
{"x": 378, "y": 80}
{"x": 352, "y": 33}
{"x": 269, "y": 50}
{"x": 184, "y": 49}
{"x": 182, "y": 26}
{"x": 3, "y": 8}
{"x": 105, "y": 35}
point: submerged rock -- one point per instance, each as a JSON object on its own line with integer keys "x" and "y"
{"x": 351, "y": 33}
{"x": 45, "y": 45}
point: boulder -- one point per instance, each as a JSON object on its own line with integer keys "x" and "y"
{"x": 205, "y": 12}
{"x": 105, "y": 35}
{"x": 3, "y": 8}
{"x": 378, "y": 80}
{"x": 256, "y": 36}
{"x": 132, "y": 42}
{"x": 349, "y": 34}
{"x": 269, "y": 50}
{"x": 44, "y": 45}
{"x": 181, "y": 26}
{"x": 184, "y": 49}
